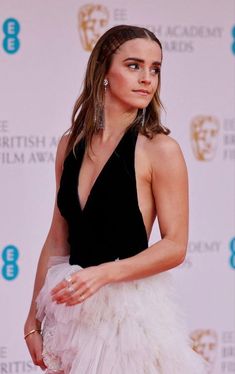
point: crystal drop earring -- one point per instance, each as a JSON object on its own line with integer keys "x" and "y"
{"x": 99, "y": 110}
{"x": 143, "y": 117}
{"x": 99, "y": 116}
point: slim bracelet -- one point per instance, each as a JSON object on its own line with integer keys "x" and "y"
{"x": 32, "y": 332}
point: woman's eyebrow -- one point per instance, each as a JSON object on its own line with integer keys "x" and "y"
{"x": 140, "y": 60}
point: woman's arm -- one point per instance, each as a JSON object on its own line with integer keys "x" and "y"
{"x": 55, "y": 244}
{"x": 170, "y": 190}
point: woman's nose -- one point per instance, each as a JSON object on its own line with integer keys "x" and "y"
{"x": 145, "y": 77}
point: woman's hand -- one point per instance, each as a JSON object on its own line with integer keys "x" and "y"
{"x": 80, "y": 285}
{"x": 34, "y": 343}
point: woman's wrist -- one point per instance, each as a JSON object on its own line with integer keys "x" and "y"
{"x": 33, "y": 331}
{"x": 112, "y": 271}
{"x": 32, "y": 324}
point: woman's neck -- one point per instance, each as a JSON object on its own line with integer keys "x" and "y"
{"x": 117, "y": 119}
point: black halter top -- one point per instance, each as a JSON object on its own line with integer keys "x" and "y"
{"x": 110, "y": 226}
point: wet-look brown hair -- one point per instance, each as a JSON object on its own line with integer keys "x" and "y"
{"x": 93, "y": 90}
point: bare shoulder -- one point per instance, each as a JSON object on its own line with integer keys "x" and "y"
{"x": 163, "y": 150}
{"x": 62, "y": 145}
{"x": 161, "y": 146}
{"x": 164, "y": 146}
{"x": 61, "y": 149}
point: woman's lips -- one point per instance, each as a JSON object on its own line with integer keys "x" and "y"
{"x": 142, "y": 92}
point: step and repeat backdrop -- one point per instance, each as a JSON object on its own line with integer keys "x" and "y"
{"x": 44, "y": 48}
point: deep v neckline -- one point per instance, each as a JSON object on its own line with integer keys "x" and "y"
{"x": 99, "y": 175}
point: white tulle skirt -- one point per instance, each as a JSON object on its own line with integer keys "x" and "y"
{"x": 125, "y": 328}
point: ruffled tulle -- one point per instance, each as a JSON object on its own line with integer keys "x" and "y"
{"x": 124, "y": 328}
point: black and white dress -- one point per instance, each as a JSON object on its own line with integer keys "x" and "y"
{"x": 131, "y": 327}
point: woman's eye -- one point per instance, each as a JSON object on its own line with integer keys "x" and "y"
{"x": 133, "y": 66}
{"x": 155, "y": 71}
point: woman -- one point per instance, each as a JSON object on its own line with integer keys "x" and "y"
{"x": 106, "y": 298}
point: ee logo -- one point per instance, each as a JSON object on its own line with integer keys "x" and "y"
{"x": 10, "y": 269}
{"x": 233, "y": 36}
{"x": 232, "y": 249}
{"x": 11, "y": 29}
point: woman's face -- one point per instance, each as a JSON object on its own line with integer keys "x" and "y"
{"x": 133, "y": 74}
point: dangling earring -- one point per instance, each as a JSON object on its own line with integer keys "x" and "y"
{"x": 143, "y": 117}
{"x": 99, "y": 116}
{"x": 99, "y": 110}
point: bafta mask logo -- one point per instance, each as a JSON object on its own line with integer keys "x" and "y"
{"x": 205, "y": 343}
{"x": 204, "y": 137}
{"x": 92, "y": 19}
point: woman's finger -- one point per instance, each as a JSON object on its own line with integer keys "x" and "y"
{"x": 65, "y": 293}
{"x": 40, "y": 362}
{"x": 70, "y": 294}
{"x": 80, "y": 296}
{"x": 59, "y": 287}
{"x": 61, "y": 295}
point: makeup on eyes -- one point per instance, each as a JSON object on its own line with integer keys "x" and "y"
{"x": 136, "y": 66}
{"x": 136, "y": 62}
